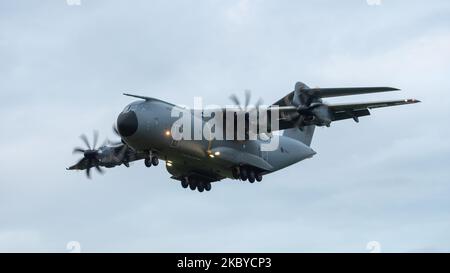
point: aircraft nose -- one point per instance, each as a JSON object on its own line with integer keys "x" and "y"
{"x": 127, "y": 123}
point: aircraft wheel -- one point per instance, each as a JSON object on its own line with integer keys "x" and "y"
{"x": 155, "y": 161}
{"x": 243, "y": 174}
{"x": 258, "y": 177}
{"x": 192, "y": 185}
{"x": 200, "y": 187}
{"x": 185, "y": 182}
{"x": 208, "y": 186}
{"x": 251, "y": 176}
{"x": 148, "y": 163}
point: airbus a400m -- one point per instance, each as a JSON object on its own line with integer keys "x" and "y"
{"x": 145, "y": 131}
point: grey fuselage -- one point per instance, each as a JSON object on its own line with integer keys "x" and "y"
{"x": 197, "y": 157}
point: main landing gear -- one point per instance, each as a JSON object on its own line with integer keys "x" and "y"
{"x": 246, "y": 173}
{"x": 194, "y": 184}
{"x": 151, "y": 161}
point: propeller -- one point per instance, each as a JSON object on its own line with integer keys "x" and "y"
{"x": 109, "y": 154}
{"x": 248, "y": 96}
{"x": 90, "y": 155}
{"x": 245, "y": 107}
{"x": 308, "y": 106}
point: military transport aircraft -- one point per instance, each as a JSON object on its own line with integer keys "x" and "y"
{"x": 144, "y": 127}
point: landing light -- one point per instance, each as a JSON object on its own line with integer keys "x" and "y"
{"x": 211, "y": 155}
{"x": 217, "y": 153}
{"x": 167, "y": 133}
{"x": 169, "y": 163}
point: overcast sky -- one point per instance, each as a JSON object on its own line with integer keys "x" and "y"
{"x": 63, "y": 69}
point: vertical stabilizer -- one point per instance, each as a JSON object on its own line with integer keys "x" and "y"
{"x": 304, "y": 135}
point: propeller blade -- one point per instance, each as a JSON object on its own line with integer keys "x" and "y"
{"x": 235, "y": 100}
{"x": 85, "y": 140}
{"x": 248, "y": 95}
{"x": 99, "y": 169}
{"x": 88, "y": 172}
{"x": 247, "y": 99}
{"x": 78, "y": 150}
{"x": 95, "y": 139}
{"x": 259, "y": 102}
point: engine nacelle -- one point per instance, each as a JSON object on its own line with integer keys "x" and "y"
{"x": 322, "y": 115}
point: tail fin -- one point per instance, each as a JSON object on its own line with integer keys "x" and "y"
{"x": 304, "y": 135}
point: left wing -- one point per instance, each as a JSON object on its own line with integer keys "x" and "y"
{"x": 355, "y": 110}
{"x": 288, "y": 115}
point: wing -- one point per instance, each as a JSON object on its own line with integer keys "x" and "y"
{"x": 287, "y": 115}
{"x": 348, "y": 91}
{"x": 355, "y": 110}
{"x": 334, "y": 92}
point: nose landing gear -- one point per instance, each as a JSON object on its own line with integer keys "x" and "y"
{"x": 151, "y": 161}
